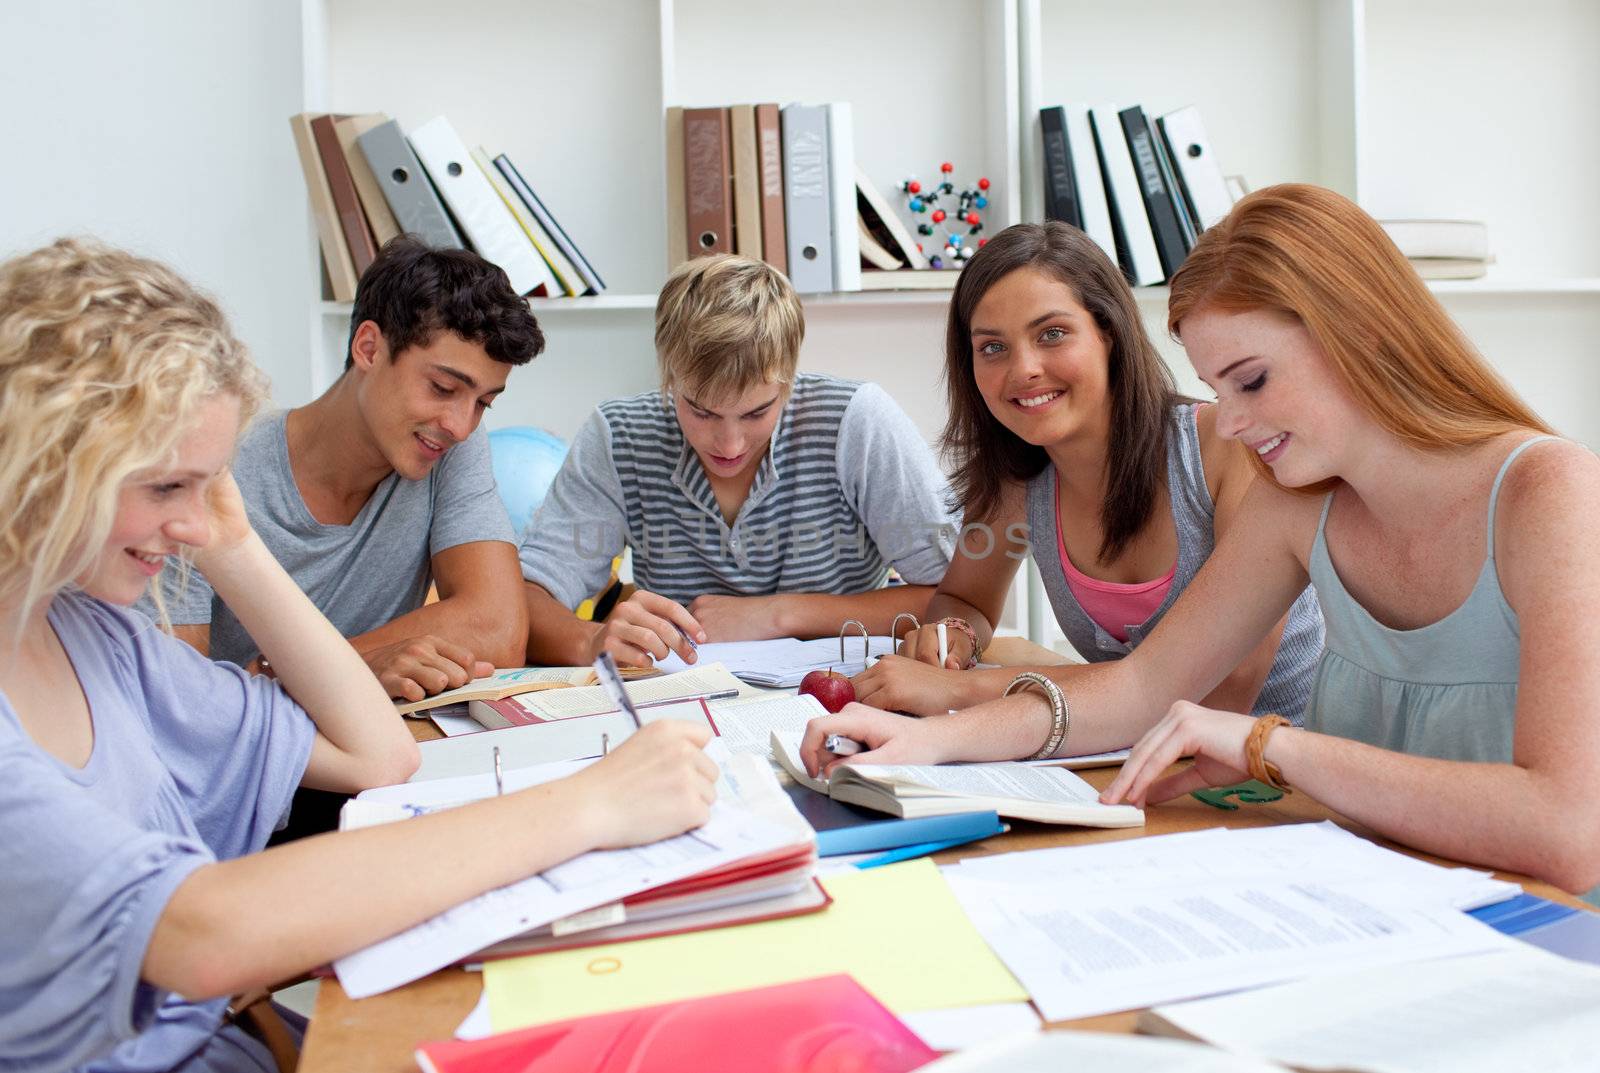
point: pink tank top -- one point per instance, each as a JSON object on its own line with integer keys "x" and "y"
{"x": 1113, "y": 606}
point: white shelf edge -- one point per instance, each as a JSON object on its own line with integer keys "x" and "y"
{"x": 1484, "y": 286}
{"x": 939, "y": 297}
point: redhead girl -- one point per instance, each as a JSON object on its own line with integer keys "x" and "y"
{"x": 1448, "y": 533}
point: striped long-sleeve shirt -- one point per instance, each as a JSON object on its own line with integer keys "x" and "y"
{"x": 847, "y": 488}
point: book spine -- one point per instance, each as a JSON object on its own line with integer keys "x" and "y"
{"x": 417, "y": 209}
{"x": 707, "y": 172}
{"x": 565, "y": 271}
{"x": 1197, "y": 165}
{"x": 676, "y": 207}
{"x": 357, "y": 235}
{"x": 1060, "y": 187}
{"x": 569, "y": 249}
{"x": 805, "y": 197}
{"x": 1088, "y": 180}
{"x": 549, "y": 286}
{"x": 335, "y": 253}
{"x": 1169, "y": 176}
{"x": 1157, "y": 201}
{"x": 746, "y": 181}
{"x": 843, "y": 227}
{"x": 379, "y": 217}
{"x": 769, "y": 145}
{"x": 1136, "y": 244}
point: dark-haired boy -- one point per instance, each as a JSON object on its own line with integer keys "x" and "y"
{"x": 382, "y": 485}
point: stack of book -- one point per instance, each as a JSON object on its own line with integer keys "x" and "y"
{"x": 1443, "y": 249}
{"x": 781, "y": 185}
{"x": 1143, "y": 189}
{"x": 369, "y": 182}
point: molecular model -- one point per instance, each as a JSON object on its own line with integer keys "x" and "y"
{"x": 953, "y": 233}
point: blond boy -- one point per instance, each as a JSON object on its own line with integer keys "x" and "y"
{"x": 757, "y": 502}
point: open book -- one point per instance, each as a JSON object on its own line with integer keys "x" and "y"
{"x": 710, "y": 680}
{"x": 512, "y": 681}
{"x": 1019, "y": 791}
{"x": 753, "y": 860}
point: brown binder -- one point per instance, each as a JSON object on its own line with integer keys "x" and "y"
{"x": 346, "y": 200}
{"x": 769, "y": 151}
{"x": 707, "y": 182}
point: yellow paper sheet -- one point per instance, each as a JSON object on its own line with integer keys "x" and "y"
{"x": 898, "y": 930}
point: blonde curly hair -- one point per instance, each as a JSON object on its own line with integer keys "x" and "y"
{"x": 105, "y": 358}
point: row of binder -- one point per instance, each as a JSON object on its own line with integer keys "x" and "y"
{"x": 369, "y": 182}
{"x": 1143, "y": 189}
{"x": 780, "y": 185}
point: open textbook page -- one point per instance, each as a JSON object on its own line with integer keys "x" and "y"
{"x": 1016, "y": 790}
{"x": 700, "y": 680}
{"x": 747, "y": 727}
{"x": 738, "y": 829}
{"x": 1518, "y": 1008}
{"x": 506, "y": 682}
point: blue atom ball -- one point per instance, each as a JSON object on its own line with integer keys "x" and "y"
{"x": 981, "y": 203}
{"x": 955, "y": 240}
{"x": 936, "y": 262}
{"x": 916, "y": 204}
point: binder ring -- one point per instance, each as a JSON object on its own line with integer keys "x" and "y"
{"x": 866, "y": 639}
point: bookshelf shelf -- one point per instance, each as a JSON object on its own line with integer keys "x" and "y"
{"x": 1389, "y": 101}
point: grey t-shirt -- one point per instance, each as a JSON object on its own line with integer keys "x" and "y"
{"x": 847, "y": 489}
{"x": 193, "y": 762}
{"x": 360, "y": 575}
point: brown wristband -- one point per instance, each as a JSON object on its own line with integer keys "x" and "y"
{"x": 1255, "y": 746}
{"x": 972, "y": 635}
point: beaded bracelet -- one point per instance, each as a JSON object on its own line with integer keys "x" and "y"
{"x": 965, "y": 627}
{"x": 1058, "y": 710}
{"x": 1255, "y": 747}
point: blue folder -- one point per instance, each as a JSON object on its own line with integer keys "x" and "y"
{"x": 843, "y": 828}
{"x": 1560, "y": 929}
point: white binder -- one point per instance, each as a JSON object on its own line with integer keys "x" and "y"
{"x": 1122, "y": 189}
{"x": 806, "y": 182}
{"x": 843, "y": 228}
{"x": 1092, "y": 203}
{"x": 1197, "y": 165}
{"x": 488, "y": 223}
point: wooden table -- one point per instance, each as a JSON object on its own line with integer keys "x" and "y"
{"x": 378, "y": 1034}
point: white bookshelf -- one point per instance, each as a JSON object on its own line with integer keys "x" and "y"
{"x": 1438, "y": 108}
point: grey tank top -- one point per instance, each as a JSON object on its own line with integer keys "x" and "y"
{"x": 1446, "y": 690}
{"x": 1288, "y": 683}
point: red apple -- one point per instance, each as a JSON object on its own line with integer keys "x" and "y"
{"x": 832, "y": 689}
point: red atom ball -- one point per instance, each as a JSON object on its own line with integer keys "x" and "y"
{"x": 947, "y": 167}
{"x": 914, "y": 186}
{"x": 983, "y": 242}
{"x": 974, "y": 219}
{"x": 983, "y": 184}
{"x": 938, "y": 216}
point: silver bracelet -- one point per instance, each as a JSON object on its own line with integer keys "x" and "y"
{"x": 1058, "y": 710}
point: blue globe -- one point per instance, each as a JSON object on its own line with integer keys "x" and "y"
{"x": 525, "y": 461}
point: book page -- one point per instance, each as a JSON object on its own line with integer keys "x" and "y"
{"x": 786, "y": 751}
{"x": 1079, "y": 1052}
{"x": 784, "y": 661}
{"x": 748, "y": 728}
{"x": 1519, "y": 1008}
{"x": 1015, "y": 781}
{"x": 593, "y": 700}
{"x": 735, "y": 831}
{"x": 504, "y": 683}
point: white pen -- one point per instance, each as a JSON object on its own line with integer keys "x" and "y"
{"x": 839, "y": 745}
{"x": 944, "y": 643}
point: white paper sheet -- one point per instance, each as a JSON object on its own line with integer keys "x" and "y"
{"x": 1516, "y": 1009}
{"x": 750, "y": 817}
{"x": 1094, "y": 1052}
{"x": 704, "y": 677}
{"x": 476, "y": 1025}
{"x": 969, "y": 1026}
{"x": 1082, "y": 952}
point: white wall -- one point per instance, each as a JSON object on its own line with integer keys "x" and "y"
{"x": 162, "y": 126}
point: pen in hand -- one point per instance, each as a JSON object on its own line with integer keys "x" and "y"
{"x": 605, "y": 669}
{"x": 839, "y": 745}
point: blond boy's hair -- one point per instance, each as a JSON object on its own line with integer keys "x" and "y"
{"x": 725, "y": 324}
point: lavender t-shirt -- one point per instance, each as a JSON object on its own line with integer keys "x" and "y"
{"x": 193, "y": 761}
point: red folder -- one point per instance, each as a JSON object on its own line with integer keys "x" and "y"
{"x": 826, "y": 1024}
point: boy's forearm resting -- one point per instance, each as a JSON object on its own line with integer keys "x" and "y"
{"x": 816, "y": 614}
